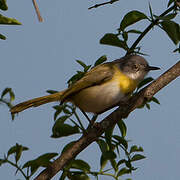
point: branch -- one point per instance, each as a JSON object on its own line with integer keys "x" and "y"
{"x": 121, "y": 112}
{"x": 102, "y": 4}
{"x": 141, "y": 36}
{"x": 37, "y": 10}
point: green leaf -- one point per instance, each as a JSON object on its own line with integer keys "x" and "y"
{"x": 79, "y": 176}
{"x": 62, "y": 119}
{"x": 12, "y": 95}
{"x": 148, "y": 106}
{"x": 144, "y": 82}
{"x": 5, "y": 91}
{"x": 64, "y": 175}
{"x": 121, "y": 140}
{"x": 2, "y": 37}
{"x": 155, "y": 100}
{"x": 80, "y": 164}
{"x": 102, "y": 145}
{"x": 100, "y": 60}
{"x": 15, "y": 149}
{"x": 136, "y": 149}
{"x": 128, "y": 164}
{"x": 170, "y": 2}
{"x": 87, "y": 68}
{"x": 60, "y": 129}
{"x": 114, "y": 164}
{"x": 150, "y": 10}
{"x": 3, "y": 5}
{"x": 123, "y": 171}
{"x": 67, "y": 111}
{"x": 121, "y": 162}
{"x": 8, "y": 21}
{"x": 57, "y": 107}
{"x": 167, "y": 17}
{"x": 81, "y": 63}
{"x": 177, "y": 50}
{"x": 109, "y": 155}
{"x": 137, "y": 157}
{"x": 122, "y": 127}
{"x": 8, "y": 90}
{"x": 58, "y": 111}
{"x": 134, "y": 31}
{"x": 75, "y": 78}
{"x": 41, "y": 161}
{"x": 103, "y": 162}
{"x": 18, "y": 153}
{"x": 131, "y": 18}
{"x": 172, "y": 29}
{"x": 67, "y": 146}
{"x": 108, "y": 136}
{"x": 113, "y": 40}
{"x": 51, "y": 91}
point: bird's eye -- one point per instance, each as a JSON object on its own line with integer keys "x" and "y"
{"x": 135, "y": 67}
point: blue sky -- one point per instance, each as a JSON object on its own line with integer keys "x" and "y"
{"x": 41, "y": 56}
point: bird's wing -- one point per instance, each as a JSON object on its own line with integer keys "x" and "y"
{"x": 95, "y": 76}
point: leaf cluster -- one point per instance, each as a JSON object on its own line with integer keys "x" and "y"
{"x": 6, "y": 20}
{"x": 30, "y": 167}
{"x": 164, "y": 21}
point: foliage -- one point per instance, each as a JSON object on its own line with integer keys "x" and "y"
{"x": 6, "y": 20}
{"x": 164, "y": 21}
{"x": 116, "y": 150}
{"x": 4, "y": 94}
{"x": 32, "y": 165}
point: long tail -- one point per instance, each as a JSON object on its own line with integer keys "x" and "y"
{"x": 36, "y": 102}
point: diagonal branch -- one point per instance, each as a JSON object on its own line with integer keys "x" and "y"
{"x": 121, "y": 112}
{"x": 37, "y": 10}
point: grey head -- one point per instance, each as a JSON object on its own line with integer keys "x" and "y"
{"x": 134, "y": 66}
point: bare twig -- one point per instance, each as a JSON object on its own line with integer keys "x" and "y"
{"x": 121, "y": 112}
{"x": 37, "y": 10}
{"x": 102, "y": 4}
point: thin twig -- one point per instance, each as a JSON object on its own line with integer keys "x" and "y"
{"x": 77, "y": 117}
{"x": 102, "y": 4}
{"x": 16, "y": 166}
{"x": 94, "y": 118}
{"x": 37, "y": 10}
{"x": 141, "y": 36}
{"x": 87, "y": 117}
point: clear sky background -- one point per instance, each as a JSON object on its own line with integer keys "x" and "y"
{"x": 41, "y": 56}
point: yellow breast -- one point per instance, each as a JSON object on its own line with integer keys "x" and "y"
{"x": 100, "y": 97}
{"x": 126, "y": 84}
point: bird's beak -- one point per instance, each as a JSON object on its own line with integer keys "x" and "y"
{"x": 150, "y": 68}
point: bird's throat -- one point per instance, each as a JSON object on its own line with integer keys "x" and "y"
{"x": 127, "y": 85}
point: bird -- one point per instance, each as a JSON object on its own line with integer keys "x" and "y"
{"x": 101, "y": 88}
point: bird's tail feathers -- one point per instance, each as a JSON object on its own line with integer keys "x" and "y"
{"x": 36, "y": 102}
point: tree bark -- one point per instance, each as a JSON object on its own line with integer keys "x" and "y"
{"x": 109, "y": 121}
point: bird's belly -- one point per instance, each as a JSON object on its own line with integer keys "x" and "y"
{"x": 98, "y": 98}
